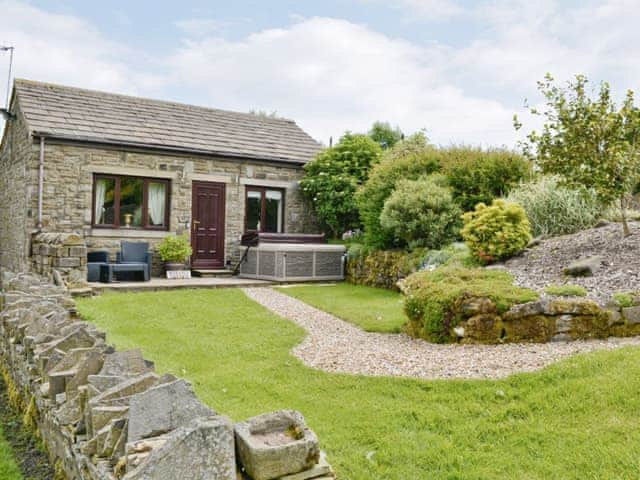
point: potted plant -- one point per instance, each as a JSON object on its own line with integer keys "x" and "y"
{"x": 174, "y": 251}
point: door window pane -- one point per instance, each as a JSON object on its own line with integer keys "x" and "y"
{"x": 254, "y": 209}
{"x": 157, "y": 202}
{"x": 131, "y": 197}
{"x": 273, "y": 211}
{"x": 105, "y": 201}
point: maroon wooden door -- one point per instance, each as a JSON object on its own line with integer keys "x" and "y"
{"x": 207, "y": 225}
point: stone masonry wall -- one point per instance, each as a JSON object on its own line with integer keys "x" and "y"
{"x": 551, "y": 319}
{"x": 16, "y": 192}
{"x": 106, "y": 415}
{"x": 63, "y": 254}
{"x": 68, "y": 187}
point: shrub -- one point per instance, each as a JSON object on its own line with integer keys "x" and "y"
{"x": 567, "y": 290}
{"x": 174, "y": 248}
{"x": 330, "y": 181}
{"x": 409, "y": 159}
{"x": 554, "y": 209}
{"x": 422, "y": 213}
{"x": 473, "y": 174}
{"x": 624, "y": 299}
{"x": 496, "y": 232}
{"x": 479, "y": 176}
{"x": 382, "y": 268}
{"x": 433, "y": 299}
{"x": 613, "y": 214}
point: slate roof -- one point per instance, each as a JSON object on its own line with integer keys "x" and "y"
{"x": 90, "y": 116}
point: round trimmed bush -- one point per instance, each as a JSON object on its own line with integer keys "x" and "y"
{"x": 554, "y": 209}
{"x": 422, "y": 213}
{"x": 496, "y": 232}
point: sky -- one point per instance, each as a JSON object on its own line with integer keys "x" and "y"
{"x": 459, "y": 70}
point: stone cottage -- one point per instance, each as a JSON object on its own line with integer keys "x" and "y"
{"x": 110, "y": 167}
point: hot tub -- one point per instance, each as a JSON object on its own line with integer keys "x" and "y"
{"x": 293, "y": 262}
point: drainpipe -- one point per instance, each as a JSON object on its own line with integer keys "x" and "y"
{"x": 40, "y": 183}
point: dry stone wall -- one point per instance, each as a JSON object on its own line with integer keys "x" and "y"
{"x": 106, "y": 415}
{"x": 546, "y": 320}
{"x": 61, "y": 257}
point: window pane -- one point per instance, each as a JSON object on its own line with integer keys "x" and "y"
{"x": 253, "y": 209}
{"x": 273, "y": 218}
{"x": 105, "y": 191}
{"x": 131, "y": 193}
{"x": 157, "y": 203}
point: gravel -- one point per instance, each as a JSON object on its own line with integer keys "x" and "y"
{"x": 620, "y": 261}
{"x": 336, "y": 346}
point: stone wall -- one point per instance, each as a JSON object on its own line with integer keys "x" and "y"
{"x": 17, "y": 189}
{"x": 69, "y": 171}
{"x": 106, "y": 415}
{"x": 63, "y": 254}
{"x": 477, "y": 320}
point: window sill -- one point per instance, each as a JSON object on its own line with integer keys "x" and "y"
{"x": 127, "y": 233}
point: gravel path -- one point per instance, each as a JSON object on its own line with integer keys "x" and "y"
{"x": 334, "y": 345}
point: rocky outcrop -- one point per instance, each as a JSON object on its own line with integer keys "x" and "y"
{"x": 103, "y": 414}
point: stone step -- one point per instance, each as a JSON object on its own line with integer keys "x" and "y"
{"x": 212, "y": 273}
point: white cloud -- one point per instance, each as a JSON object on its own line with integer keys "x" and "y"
{"x": 331, "y": 75}
{"x": 67, "y": 49}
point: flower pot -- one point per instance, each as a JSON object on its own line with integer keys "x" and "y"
{"x": 173, "y": 266}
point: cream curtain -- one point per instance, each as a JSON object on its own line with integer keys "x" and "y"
{"x": 101, "y": 191}
{"x": 157, "y": 201}
{"x": 276, "y": 195}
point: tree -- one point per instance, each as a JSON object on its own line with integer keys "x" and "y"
{"x": 331, "y": 180}
{"x": 588, "y": 141}
{"x": 385, "y": 135}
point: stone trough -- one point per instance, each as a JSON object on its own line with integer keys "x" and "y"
{"x": 274, "y": 445}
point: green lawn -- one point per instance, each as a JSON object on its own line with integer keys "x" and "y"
{"x": 8, "y": 467}
{"x": 579, "y": 419}
{"x": 372, "y": 309}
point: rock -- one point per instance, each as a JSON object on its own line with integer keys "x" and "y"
{"x": 476, "y": 306}
{"x": 585, "y": 267}
{"x": 127, "y": 388}
{"x": 321, "y": 470}
{"x": 527, "y": 309}
{"x": 631, "y": 314}
{"x": 126, "y": 363}
{"x": 483, "y": 328}
{"x": 535, "y": 242}
{"x": 615, "y": 317}
{"x": 276, "y": 444}
{"x": 572, "y": 306}
{"x": 101, "y": 416}
{"x": 164, "y": 408}
{"x": 201, "y": 450}
{"x": 563, "y": 323}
